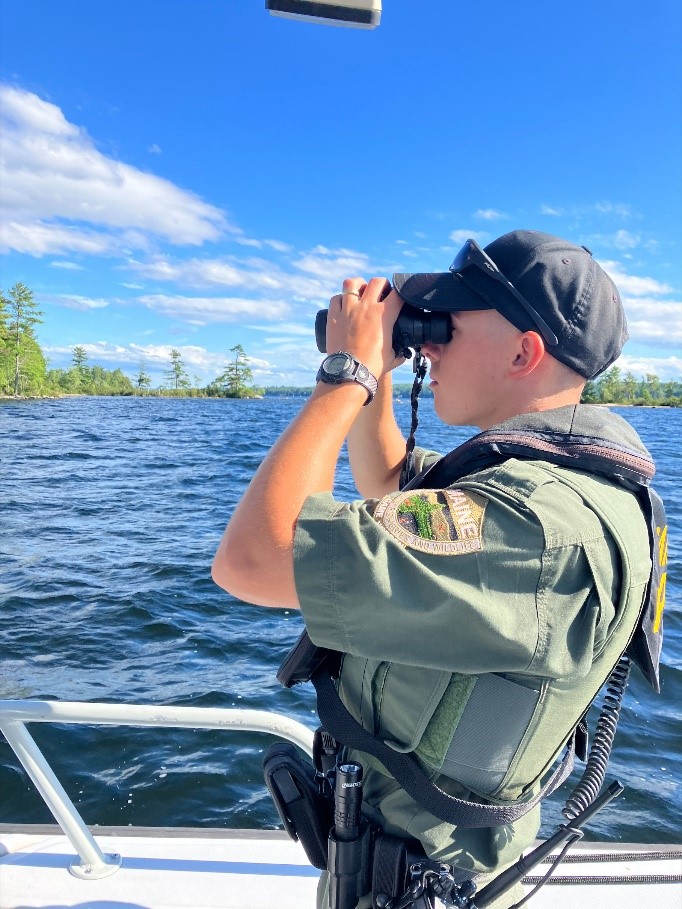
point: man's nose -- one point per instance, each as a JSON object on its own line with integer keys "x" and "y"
{"x": 432, "y": 351}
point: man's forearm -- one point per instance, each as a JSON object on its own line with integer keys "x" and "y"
{"x": 255, "y": 558}
{"x": 376, "y": 447}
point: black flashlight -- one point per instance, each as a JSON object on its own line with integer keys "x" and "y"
{"x": 348, "y": 848}
{"x": 347, "y": 801}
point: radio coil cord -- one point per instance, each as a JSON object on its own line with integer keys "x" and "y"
{"x": 593, "y": 776}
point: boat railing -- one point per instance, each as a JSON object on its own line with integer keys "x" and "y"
{"x": 15, "y": 714}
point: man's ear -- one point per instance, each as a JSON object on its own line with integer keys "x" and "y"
{"x": 530, "y": 351}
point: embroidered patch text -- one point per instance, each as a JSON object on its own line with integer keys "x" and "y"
{"x": 437, "y": 521}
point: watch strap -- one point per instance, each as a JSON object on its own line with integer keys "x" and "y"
{"x": 355, "y": 372}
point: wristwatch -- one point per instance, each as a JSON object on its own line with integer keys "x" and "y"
{"x": 342, "y": 367}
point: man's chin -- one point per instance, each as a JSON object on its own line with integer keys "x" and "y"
{"x": 451, "y": 417}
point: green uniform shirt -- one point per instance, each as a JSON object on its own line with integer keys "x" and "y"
{"x": 510, "y": 572}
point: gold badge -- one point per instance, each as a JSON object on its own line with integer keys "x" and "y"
{"x": 437, "y": 521}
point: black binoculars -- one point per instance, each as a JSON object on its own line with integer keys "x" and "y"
{"x": 413, "y": 328}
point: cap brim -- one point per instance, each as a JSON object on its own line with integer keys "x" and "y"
{"x": 438, "y": 291}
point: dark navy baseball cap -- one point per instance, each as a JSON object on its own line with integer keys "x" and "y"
{"x": 538, "y": 283}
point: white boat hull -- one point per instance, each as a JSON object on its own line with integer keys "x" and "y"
{"x": 165, "y": 868}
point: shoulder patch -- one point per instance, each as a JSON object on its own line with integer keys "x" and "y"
{"x": 437, "y": 521}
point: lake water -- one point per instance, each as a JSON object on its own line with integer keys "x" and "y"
{"x": 111, "y": 510}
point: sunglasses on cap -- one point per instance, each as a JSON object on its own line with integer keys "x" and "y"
{"x": 472, "y": 256}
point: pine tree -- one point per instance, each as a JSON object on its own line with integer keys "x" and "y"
{"x": 176, "y": 377}
{"x": 235, "y": 381}
{"x": 79, "y": 358}
{"x": 143, "y": 380}
{"x": 20, "y": 315}
{"x": 82, "y": 375}
{"x": 4, "y": 345}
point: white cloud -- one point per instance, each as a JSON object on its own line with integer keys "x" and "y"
{"x": 60, "y": 193}
{"x": 197, "y": 357}
{"x": 318, "y": 274}
{"x": 654, "y": 320}
{"x": 669, "y": 369}
{"x": 461, "y": 236}
{"x": 633, "y": 285}
{"x": 288, "y": 328}
{"x": 154, "y": 354}
{"x": 616, "y": 209}
{"x": 191, "y": 272}
{"x": 613, "y": 208}
{"x": 491, "y": 214}
{"x": 333, "y": 265}
{"x": 154, "y": 149}
{"x": 202, "y": 310}
{"x": 249, "y": 241}
{"x": 257, "y": 275}
{"x": 74, "y": 301}
{"x": 650, "y": 317}
{"x": 37, "y": 238}
{"x": 278, "y": 245}
{"x": 623, "y": 239}
{"x": 67, "y": 266}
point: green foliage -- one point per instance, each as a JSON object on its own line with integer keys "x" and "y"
{"x": 143, "y": 381}
{"x": 287, "y": 391}
{"x": 614, "y": 388}
{"x": 176, "y": 376}
{"x": 22, "y": 364}
{"x": 235, "y": 381}
{"x": 93, "y": 380}
{"x": 404, "y": 390}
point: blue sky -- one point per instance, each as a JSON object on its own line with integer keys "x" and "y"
{"x": 197, "y": 174}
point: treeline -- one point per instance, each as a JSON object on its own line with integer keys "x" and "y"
{"x": 25, "y": 372}
{"x": 615, "y": 388}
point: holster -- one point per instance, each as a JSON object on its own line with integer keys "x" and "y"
{"x": 350, "y": 868}
{"x": 307, "y": 815}
{"x": 304, "y": 659}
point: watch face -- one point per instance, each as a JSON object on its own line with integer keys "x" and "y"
{"x": 336, "y": 364}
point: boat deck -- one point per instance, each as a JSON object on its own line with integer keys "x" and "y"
{"x": 165, "y": 868}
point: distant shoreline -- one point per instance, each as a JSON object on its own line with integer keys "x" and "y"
{"x": 304, "y": 393}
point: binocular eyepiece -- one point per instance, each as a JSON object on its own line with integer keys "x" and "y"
{"x": 413, "y": 328}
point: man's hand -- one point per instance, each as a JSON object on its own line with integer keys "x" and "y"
{"x": 361, "y": 321}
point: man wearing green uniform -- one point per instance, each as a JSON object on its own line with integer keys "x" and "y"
{"x": 478, "y": 621}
